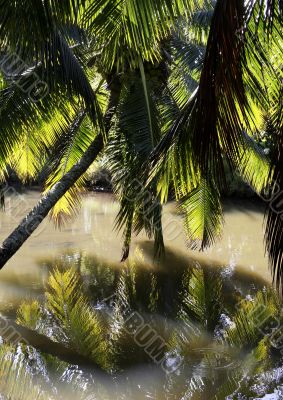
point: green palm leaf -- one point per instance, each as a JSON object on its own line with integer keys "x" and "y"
{"x": 202, "y": 213}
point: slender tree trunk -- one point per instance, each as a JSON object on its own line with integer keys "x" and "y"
{"x": 30, "y": 223}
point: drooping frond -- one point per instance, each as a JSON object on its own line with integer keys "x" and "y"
{"x": 43, "y": 18}
{"x": 36, "y": 138}
{"x": 202, "y": 213}
{"x": 254, "y": 165}
{"x": 67, "y": 151}
{"x": 265, "y": 13}
{"x": 213, "y": 118}
{"x": 211, "y": 126}
{"x": 274, "y": 214}
{"x": 45, "y": 52}
{"x": 134, "y": 136}
{"x": 32, "y": 121}
{"x": 19, "y": 115}
{"x": 199, "y": 21}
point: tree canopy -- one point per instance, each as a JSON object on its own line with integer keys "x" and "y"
{"x": 167, "y": 93}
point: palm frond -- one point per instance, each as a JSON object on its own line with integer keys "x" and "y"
{"x": 202, "y": 214}
{"x": 127, "y": 31}
{"x": 274, "y": 221}
{"x": 134, "y": 135}
{"x": 211, "y": 123}
{"x": 44, "y": 18}
{"x": 213, "y": 120}
{"x": 254, "y": 165}
{"x": 67, "y": 151}
{"x": 200, "y": 21}
{"x": 21, "y": 117}
{"x": 265, "y": 13}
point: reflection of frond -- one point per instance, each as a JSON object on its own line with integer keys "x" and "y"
{"x": 254, "y": 319}
{"x": 204, "y": 298}
{"x": 16, "y": 378}
{"x": 28, "y": 314}
{"x": 204, "y": 355}
{"x": 77, "y": 322}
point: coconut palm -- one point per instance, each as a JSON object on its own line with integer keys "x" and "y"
{"x": 68, "y": 57}
{"x": 170, "y": 91}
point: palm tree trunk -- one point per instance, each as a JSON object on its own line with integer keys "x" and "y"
{"x": 30, "y": 223}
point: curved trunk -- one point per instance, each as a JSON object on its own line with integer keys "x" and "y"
{"x": 14, "y": 333}
{"x": 29, "y": 224}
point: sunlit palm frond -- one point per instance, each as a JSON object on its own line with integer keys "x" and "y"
{"x": 254, "y": 165}
{"x": 127, "y": 31}
{"x": 200, "y": 21}
{"x": 21, "y": 120}
{"x": 265, "y": 13}
{"x": 50, "y": 58}
{"x": 67, "y": 151}
{"x": 213, "y": 120}
{"x": 274, "y": 221}
{"x": 202, "y": 213}
{"x": 31, "y": 152}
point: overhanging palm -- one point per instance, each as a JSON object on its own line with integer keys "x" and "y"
{"x": 114, "y": 70}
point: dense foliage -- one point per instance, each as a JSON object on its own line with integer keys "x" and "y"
{"x": 178, "y": 89}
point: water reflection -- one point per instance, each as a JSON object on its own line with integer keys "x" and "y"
{"x": 183, "y": 327}
{"x": 159, "y": 332}
{"x": 241, "y": 247}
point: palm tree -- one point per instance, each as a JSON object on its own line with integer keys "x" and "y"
{"x": 75, "y": 114}
{"x": 179, "y": 84}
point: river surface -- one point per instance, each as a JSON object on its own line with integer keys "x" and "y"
{"x": 91, "y": 244}
{"x": 240, "y": 251}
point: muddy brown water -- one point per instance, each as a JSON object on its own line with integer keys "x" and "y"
{"x": 239, "y": 255}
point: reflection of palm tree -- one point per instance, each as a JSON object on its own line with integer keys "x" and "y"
{"x": 226, "y": 359}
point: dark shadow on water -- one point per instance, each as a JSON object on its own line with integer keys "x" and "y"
{"x": 153, "y": 285}
{"x": 181, "y": 298}
{"x": 245, "y": 206}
